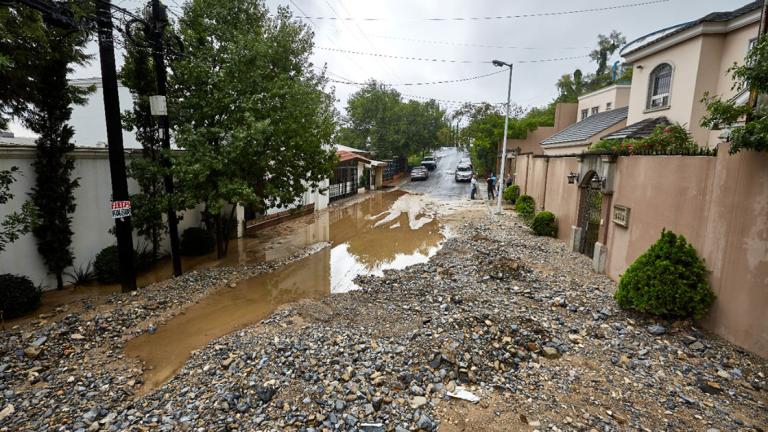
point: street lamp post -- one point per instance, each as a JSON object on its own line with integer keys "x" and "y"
{"x": 500, "y": 63}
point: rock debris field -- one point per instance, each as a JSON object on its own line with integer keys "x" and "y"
{"x": 516, "y": 320}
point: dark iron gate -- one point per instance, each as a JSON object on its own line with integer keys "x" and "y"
{"x": 590, "y": 213}
{"x": 344, "y": 181}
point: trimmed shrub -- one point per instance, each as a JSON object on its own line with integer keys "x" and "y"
{"x": 544, "y": 224}
{"x": 197, "y": 241}
{"x": 511, "y": 193}
{"x": 668, "y": 280}
{"x": 106, "y": 266}
{"x": 18, "y": 295}
{"x": 525, "y": 207}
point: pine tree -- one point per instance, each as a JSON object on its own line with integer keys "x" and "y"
{"x": 49, "y": 107}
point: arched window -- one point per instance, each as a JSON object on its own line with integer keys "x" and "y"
{"x": 658, "y": 86}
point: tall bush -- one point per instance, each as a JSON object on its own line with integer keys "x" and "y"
{"x": 525, "y": 207}
{"x": 545, "y": 224}
{"x": 511, "y": 193}
{"x": 668, "y": 280}
{"x": 49, "y": 100}
{"x": 673, "y": 138}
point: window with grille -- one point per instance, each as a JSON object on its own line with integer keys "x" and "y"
{"x": 608, "y": 106}
{"x": 658, "y": 86}
{"x": 584, "y": 113}
{"x": 595, "y": 110}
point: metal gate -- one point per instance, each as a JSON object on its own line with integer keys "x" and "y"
{"x": 590, "y": 213}
{"x": 344, "y": 181}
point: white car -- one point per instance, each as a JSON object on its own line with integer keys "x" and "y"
{"x": 463, "y": 172}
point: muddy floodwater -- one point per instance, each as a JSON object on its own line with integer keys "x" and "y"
{"x": 387, "y": 231}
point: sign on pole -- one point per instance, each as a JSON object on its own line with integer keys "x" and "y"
{"x": 121, "y": 209}
{"x": 157, "y": 106}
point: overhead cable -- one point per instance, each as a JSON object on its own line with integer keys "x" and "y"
{"x": 474, "y": 45}
{"x": 439, "y": 60}
{"x": 471, "y": 78}
{"x": 498, "y": 17}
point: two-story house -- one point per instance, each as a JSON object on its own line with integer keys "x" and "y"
{"x": 676, "y": 66}
{"x": 600, "y": 112}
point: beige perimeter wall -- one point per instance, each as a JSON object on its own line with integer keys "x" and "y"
{"x": 720, "y": 204}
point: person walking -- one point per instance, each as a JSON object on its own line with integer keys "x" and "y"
{"x": 491, "y": 182}
{"x": 474, "y": 187}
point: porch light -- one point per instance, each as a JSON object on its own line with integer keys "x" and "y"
{"x": 598, "y": 182}
{"x": 573, "y": 178}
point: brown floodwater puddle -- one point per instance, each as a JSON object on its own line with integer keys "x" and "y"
{"x": 384, "y": 232}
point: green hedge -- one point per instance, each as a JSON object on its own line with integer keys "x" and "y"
{"x": 525, "y": 207}
{"x": 545, "y": 224}
{"x": 511, "y": 193}
{"x": 197, "y": 241}
{"x": 106, "y": 266}
{"x": 668, "y": 280}
{"x": 18, "y": 295}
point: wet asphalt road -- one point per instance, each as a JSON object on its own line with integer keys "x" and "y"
{"x": 441, "y": 184}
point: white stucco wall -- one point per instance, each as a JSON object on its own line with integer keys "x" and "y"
{"x": 91, "y": 221}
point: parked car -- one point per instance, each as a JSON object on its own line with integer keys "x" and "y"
{"x": 463, "y": 172}
{"x": 419, "y": 173}
{"x": 429, "y": 162}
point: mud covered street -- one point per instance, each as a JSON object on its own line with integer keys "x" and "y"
{"x": 516, "y": 320}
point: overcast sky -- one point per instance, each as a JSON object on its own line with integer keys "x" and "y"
{"x": 403, "y": 31}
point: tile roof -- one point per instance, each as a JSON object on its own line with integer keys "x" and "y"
{"x": 711, "y": 17}
{"x": 348, "y": 156}
{"x": 588, "y": 127}
{"x": 641, "y": 129}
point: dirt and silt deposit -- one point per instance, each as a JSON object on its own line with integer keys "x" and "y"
{"x": 516, "y": 320}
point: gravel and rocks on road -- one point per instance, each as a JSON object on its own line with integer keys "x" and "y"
{"x": 517, "y": 320}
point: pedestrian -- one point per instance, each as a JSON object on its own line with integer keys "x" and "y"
{"x": 491, "y": 181}
{"x": 474, "y": 187}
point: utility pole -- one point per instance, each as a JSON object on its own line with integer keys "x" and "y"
{"x": 159, "y": 21}
{"x": 506, "y": 124}
{"x": 123, "y": 229}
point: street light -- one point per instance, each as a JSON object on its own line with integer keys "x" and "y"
{"x": 499, "y": 63}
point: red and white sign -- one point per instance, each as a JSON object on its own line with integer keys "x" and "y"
{"x": 121, "y": 209}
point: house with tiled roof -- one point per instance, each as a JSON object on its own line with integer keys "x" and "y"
{"x": 674, "y": 67}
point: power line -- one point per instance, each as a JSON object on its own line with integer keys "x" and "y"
{"x": 331, "y": 40}
{"x": 424, "y": 83}
{"x": 439, "y": 60}
{"x": 448, "y": 101}
{"x": 498, "y": 17}
{"x": 472, "y": 45}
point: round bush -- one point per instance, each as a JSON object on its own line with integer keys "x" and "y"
{"x": 668, "y": 280}
{"x": 197, "y": 241}
{"x": 106, "y": 266}
{"x": 18, "y": 295}
{"x": 544, "y": 224}
{"x": 525, "y": 207}
{"x": 511, "y": 193}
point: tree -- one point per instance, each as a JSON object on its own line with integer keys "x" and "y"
{"x": 485, "y": 129}
{"x": 48, "y": 101}
{"x": 250, "y": 112}
{"x": 150, "y": 203}
{"x": 606, "y": 46}
{"x": 21, "y": 35}
{"x": 372, "y": 121}
{"x": 379, "y": 121}
{"x": 749, "y": 122}
{"x": 15, "y": 224}
{"x": 571, "y": 86}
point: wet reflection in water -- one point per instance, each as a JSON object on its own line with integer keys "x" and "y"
{"x": 358, "y": 247}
